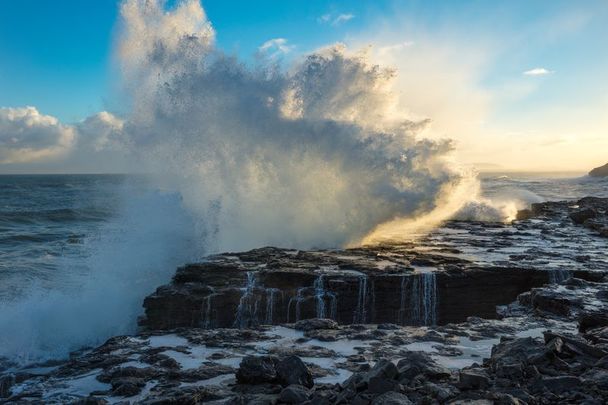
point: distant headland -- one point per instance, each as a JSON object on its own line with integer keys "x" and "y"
{"x": 601, "y": 171}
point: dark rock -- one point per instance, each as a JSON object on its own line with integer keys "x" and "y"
{"x": 383, "y": 369}
{"x": 294, "y": 394}
{"x": 292, "y": 370}
{"x": 509, "y": 357}
{"x": 561, "y": 384}
{"x": 580, "y": 216}
{"x": 474, "y": 378}
{"x": 416, "y": 363}
{"x": 315, "y": 323}
{"x": 379, "y": 385}
{"x": 590, "y": 320}
{"x": 257, "y": 370}
{"x": 598, "y": 377}
{"x": 6, "y": 382}
{"x": 90, "y": 401}
{"x": 127, "y": 386}
{"x": 392, "y": 398}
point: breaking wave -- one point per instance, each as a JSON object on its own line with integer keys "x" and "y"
{"x": 315, "y": 154}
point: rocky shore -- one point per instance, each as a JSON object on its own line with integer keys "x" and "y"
{"x": 471, "y": 313}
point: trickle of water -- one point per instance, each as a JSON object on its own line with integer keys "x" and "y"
{"x": 207, "y": 324}
{"x": 558, "y": 276}
{"x": 401, "y": 316}
{"x": 319, "y": 286}
{"x": 429, "y": 294}
{"x": 420, "y": 292}
{"x": 360, "y": 315}
{"x": 270, "y": 300}
{"x": 247, "y": 311}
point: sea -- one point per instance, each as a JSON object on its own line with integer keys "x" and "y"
{"x": 58, "y": 233}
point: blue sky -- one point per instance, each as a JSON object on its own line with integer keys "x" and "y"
{"x": 58, "y": 57}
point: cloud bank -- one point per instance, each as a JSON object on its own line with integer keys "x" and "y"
{"x": 27, "y": 135}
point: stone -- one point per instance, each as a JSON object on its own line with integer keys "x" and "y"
{"x": 379, "y": 385}
{"x": 580, "y": 216}
{"x": 294, "y": 394}
{"x": 6, "y": 382}
{"x": 561, "y": 384}
{"x": 515, "y": 352}
{"x": 415, "y": 363}
{"x": 127, "y": 386}
{"x": 385, "y": 369}
{"x": 391, "y": 398}
{"x": 90, "y": 401}
{"x": 292, "y": 370}
{"x": 257, "y": 370}
{"x": 474, "y": 378}
{"x": 315, "y": 323}
{"x": 597, "y": 377}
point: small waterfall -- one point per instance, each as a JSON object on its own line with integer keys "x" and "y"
{"x": 270, "y": 300}
{"x": 401, "y": 315}
{"x": 333, "y": 313}
{"x": 320, "y": 296}
{"x": 360, "y": 315}
{"x": 558, "y": 276}
{"x": 429, "y": 295}
{"x": 298, "y": 300}
{"x": 207, "y": 305}
{"x": 420, "y": 292}
{"x": 247, "y": 311}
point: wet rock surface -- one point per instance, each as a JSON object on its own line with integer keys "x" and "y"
{"x": 459, "y": 270}
{"x": 471, "y": 313}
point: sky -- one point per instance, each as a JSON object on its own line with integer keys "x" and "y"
{"x": 518, "y": 85}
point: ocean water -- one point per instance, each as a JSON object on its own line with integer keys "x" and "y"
{"x": 79, "y": 252}
{"x": 48, "y": 222}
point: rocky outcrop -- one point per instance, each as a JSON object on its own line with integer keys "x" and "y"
{"x": 590, "y": 212}
{"x": 275, "y": 286}
{"x": 601, "y": 171}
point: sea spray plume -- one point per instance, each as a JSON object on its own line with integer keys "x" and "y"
{"x": 316, "y": 155}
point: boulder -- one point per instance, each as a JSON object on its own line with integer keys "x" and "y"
{"x": 510, "y": 356}
{"x": 474, "y": 378}
{"x": 257, "y": 370}
{"x": 416, "y": 363}
{"x": 315, "y": 323}
{"x": 6, "y": 382}
{"x": 391, "y": 398}
{"x": 292, "y": 370}
{"x": 384, "y": 369}
{"x": 580, "y": 216}
{"x": 561, "y": 384}
{"x": 127, "y": 386}
{"x": 294, "y": 394}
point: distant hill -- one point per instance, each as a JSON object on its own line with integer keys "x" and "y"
{"x": 600, "y": 171}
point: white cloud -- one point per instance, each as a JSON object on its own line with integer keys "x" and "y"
{"x": 102, "y": 131}
{"x": 335, "y": 19}
{"x": 537, "y": 72}
{"x": 392, "y": 48}
{"x": 275, "y": 47}
{"x": 26, "y": 135}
